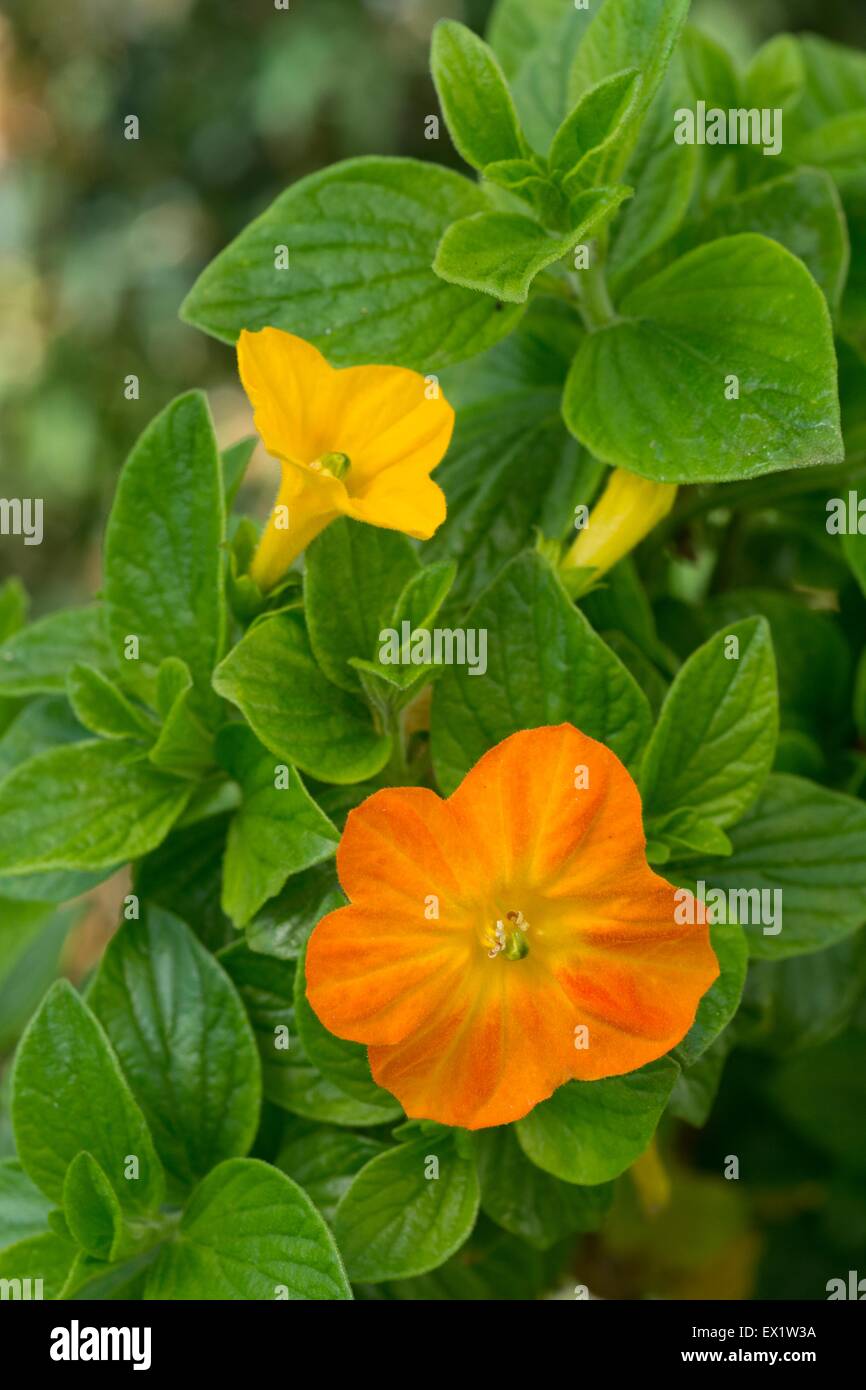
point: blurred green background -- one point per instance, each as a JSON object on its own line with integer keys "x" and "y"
{"x": 100, "y": 237}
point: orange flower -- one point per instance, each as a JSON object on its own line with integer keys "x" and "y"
{"x": 360, "y": 442}
{"x": 549, "y": 922}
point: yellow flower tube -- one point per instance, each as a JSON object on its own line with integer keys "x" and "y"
{"x": 626, "y": 512}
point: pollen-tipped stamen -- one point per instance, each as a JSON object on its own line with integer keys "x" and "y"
{"x": 332, "y": 465}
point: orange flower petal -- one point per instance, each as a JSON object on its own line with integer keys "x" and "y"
{"x": 547, "y": 824}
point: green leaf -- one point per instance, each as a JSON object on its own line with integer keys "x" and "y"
{"x": 84, "y": 806}
{"x": 184, "y": 1042}
{"x": 508, "y": 411}
{"x": 546, "y": 666}
{"x": 585, "y": 144}
{"x": 696, "y": 1088}
{"x": 69, "y": 1094}
{"x": 539, "y": 70}
{"x": 395, "y": 1221}
{"x": 721, "y": 1001}
{"x": 47, "y": 1258}
{"x": 638, "y": 34}
{"x": 163, "y": 556}
{"x": 801, "y": 210}
{"x": 184, "y": 745}
{"x": 91, "y": 1208}
{"x": 794, "y": 1005}
{"x": 249, "y": 1233}
{"x": 361, "y": 236}
{"x": 687, "y": 832}
{"x": 266, "y": 986}
{"x": 296, "y": 712}
{"x": 324, "y": 1160}
{"x": 278, "y": 830}
{"x": 517, "y": 28}
{"x": 37, "y": 659}
{"x": 354, "y": 576}
{"x": 23, "y": 1208}
{"x": 183, "y": 876}
{"x": 501, "y": 253}
{"x": 283, "y": 925}
{"x": 663, "y": 174}
{"x": 474, "y": 96}
{"x": 740, "y": 307}
{"x": 43, "y": 723}
{"x": 235, "y": 461}
{"x": 342, "y": 1063}
{"x": 102, "y": 708}
{"x": 814, "y": 663}
{"x": 529, "y": 1202}
{"x": 32, "y": 937}
{"x": 714, "y": 743}
{"x": 591, "y": 1131}
{"x": 807, "y": 842}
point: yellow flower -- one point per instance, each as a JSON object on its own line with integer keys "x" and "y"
{"x": 627, "y": 510}
{"x": 359, "y": 442}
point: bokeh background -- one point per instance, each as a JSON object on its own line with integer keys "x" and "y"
{"x": 100, "y": 238}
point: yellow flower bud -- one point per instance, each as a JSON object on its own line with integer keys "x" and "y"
{"x": 627, "y": 510}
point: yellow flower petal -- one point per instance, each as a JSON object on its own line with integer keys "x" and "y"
{"x": 390, "y": 423}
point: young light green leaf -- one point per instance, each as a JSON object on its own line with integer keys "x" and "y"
{"x": 184, "y": 746}
{"x": 585, "y": 143}
{"x": 474, "y": 96}
{"x": 714, "y": 743}
{"x": 361, "y": 237}
{"x": 806, "y": 843}
{"x": 277, "y": 831}
{"x": 249, "y": 1233}
{"x": 184, "y": 1041}
{"x": 85, "y": 806}
{"x": 501, "y": 253}
{"x": 408, "y": 1210}
{"x": 546, "y": 666}
{"x": 163, "y": 556}
{"x": 103, "y": 708}
{"x": 68, "y": 1094}
{"x": 354, "y": 576}
{"x": 37, "y": 659}
{"x": 91, "y": 1208}
{"x": 528, "y": 1202}
{"x": 738, "y": 325}
{"x": 590, "y": 1131}
{"x": 638, "y": 34}
{"x": 296, "y": 712}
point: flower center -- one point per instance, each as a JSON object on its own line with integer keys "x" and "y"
{"x": 332, "y": 465}
{"x": 509, "y": 937}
